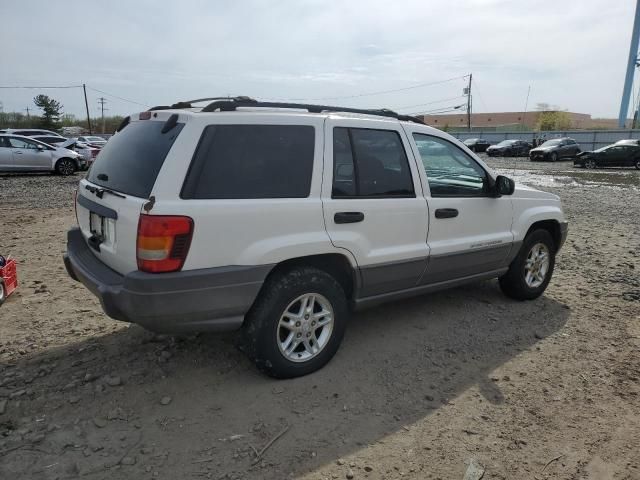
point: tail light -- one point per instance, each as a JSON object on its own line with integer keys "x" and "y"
{"x": 163, "y": 242}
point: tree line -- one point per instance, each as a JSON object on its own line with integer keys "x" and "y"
{"x": 52, "y": 117}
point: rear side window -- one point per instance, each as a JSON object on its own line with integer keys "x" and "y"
{"x": 252, "y": 161}
{"x": 131, "y": 159}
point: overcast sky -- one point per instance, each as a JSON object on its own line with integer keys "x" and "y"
{"x": 572, "y": 53}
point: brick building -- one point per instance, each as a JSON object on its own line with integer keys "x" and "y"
{"x": 508, "y": 119}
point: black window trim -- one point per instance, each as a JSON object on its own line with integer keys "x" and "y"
{"x": 489, "y": 179}
{"x": 355, "y": 167}
{"x": 189, "y": 183}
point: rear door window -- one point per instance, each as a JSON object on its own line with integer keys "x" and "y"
{"x": 370, "y": 163}
{"x": 131, "y": 159}
{"x": 252, "y": 161}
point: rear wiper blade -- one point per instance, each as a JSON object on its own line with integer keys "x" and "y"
{"x": 100, "y": 191}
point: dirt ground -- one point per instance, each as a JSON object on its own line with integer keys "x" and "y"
{"x": 420, "y": 389}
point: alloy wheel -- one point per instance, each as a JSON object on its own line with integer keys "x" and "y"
{"x": 590, "y": 163}
{"x": 537, "y": 265}
{"x": 66, "y": 167}
{"x": 305, "y": 327}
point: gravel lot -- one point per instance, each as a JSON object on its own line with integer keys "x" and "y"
{"x": 420, "y": 389}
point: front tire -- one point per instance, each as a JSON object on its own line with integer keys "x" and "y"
{"x": 297, "y": 322}
{"x": 3, "y": 293}
{"x": 637, "y": 163}
{"x": 554, "y": 157}
{"x": 65, "y": 166}
{"x": 531, "y": 270}
{"x": 590, "y": 163}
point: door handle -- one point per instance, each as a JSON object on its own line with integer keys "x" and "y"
{"x": 17, "y": 152}
{"x": 348, "y": 217}
{"x": 446, "y": 213}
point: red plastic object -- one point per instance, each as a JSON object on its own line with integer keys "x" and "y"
{"x": 9, "y": 275}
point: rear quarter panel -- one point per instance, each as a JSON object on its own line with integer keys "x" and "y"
{"x": 244, "y": 231}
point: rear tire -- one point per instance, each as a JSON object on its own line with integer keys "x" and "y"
{"x": 531, "y": 270}
{"x": 65, "y": 166}
{"x": 282, "y": 333}
{"x": 637, "y": 163}
{"x": 3, "y": 293}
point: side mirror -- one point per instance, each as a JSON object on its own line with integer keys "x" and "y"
{"x": 504, "y": 185}
{"x": 39, "y": 147}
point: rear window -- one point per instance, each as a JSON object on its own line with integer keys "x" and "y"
{"x": 252, "y": 161}
{"x": 131, "y": 159}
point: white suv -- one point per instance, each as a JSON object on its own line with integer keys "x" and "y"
{"x": 280, "y": 219}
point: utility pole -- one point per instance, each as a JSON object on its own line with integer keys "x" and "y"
{"x": 102, "y": 101}
{"x": 526, "y": 104}
{"x": 86, "y": 104}
{"x": 28, "y": 116}
{"x": 631, "y": 65}
{"x": 469, "y": 102}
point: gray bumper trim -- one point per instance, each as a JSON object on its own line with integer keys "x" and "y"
{"x": 210, "y": 299}
{"x": 564, "y": 231}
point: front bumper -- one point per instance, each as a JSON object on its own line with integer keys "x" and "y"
{"x": 210, "y": 299}
{"x": 538, "y": 156}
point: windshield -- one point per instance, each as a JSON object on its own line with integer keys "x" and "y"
{"x": 131, "y": 160}
{"x": 603, "y": 148}
{"x": 469, "y": 141}
{"x": 551, "y": 143}
{"x": 506, "y": 142}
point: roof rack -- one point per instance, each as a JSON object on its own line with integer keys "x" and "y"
{"x": 230, "y": 104}
{"x": 189, "y": 103}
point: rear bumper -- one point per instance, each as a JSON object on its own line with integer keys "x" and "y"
{"x": 210, "y": 299}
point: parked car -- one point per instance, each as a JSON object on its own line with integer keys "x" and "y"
{"x": 93, "y": 141}
{"x": 85, "y": 151}
{"x": 509, "y": 148}
{"x": 88, "y": 152}
{"x": 625, "y": 153}
{"x": 555, "y": 150}
{"x": 477, "y": 144}
{"x": 29, "y": 132}
{"x": 24, "y": 154}
{"x": 280, "y": 221}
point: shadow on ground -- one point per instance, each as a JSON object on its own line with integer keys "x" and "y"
{"x": 132, "y": 405}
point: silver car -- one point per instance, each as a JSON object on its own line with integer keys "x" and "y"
{"x": 24, "y": 154}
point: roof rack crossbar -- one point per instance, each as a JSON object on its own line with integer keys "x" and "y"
{"x": 229, "y": 105}
{"x": 189, "y": 103}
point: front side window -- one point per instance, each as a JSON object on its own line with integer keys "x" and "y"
{"x": 450, "y": 171}
{"x": 252, "y": 161}
{"x": 370, "y": 163}
{"x": 20, "y": 143}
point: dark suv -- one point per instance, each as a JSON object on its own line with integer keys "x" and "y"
{"x": 555, "y": 150}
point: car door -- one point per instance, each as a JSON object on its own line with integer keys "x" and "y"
{"x": 373, "y": 203}
{"x": 469, "y": 229}
{"x": 6, "y": 155}
{"x": 613, "y": 156}
{"x": 575, "y": 148}
{"x": 27, "y": 155}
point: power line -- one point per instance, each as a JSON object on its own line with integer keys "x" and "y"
{"x": 119, "y": 98}
{"x": 32, "y": 87}
{"x": 431, "y": 103}
{"x": 381, "y": 92}
{"x": 451, "y": 108}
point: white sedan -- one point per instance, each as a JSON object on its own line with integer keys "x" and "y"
{"x": 24, "y": 154}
